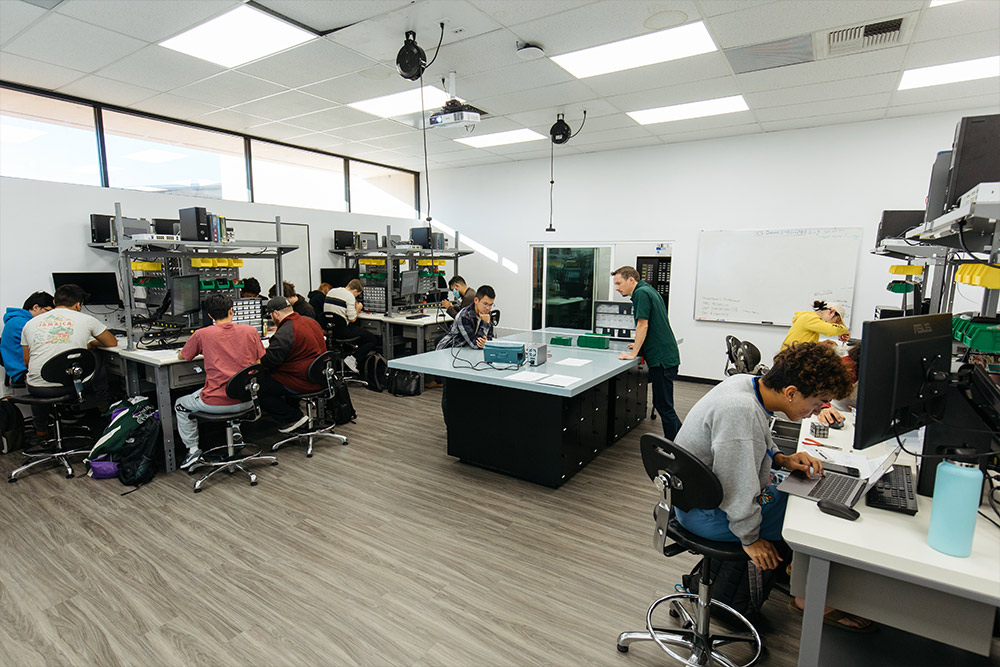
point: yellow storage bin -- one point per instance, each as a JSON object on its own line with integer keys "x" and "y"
{"x": 147, "y": 266}
{"x": 199, "y": 262}
{"x": 907, "y": 270}
{"x": 978, "y": 275}
{"x": 223, "y": 261}
{"x": 427, "y": 262}
{"x": 236, "y": 261}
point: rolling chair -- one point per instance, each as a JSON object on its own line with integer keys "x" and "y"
{"x": 243, "y": 387}
{"x": 322, "y": 372}
{"x": 688, "y": 484}
{"x": 742, "y": 357}
{"x": 69, "y": 369}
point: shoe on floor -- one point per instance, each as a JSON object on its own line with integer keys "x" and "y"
{"x": 351, "y": 363}
{"x": 193, "y": 456}
{"x": 840, "y": 619}
{"x": 295, "y": 425}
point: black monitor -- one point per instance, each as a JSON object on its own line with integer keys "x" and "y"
{"x": 895, "y": 224}
{"x": 409, "y": 283}
{"x": 101, "y": 288}
{"x": 975, "y": 156}
{"x": 185, "y": 295}
{"x": 902, "y": 376}
{"x": 337, "y": 277}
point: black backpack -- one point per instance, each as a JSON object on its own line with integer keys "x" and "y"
{"x": 375, "y": 371}
{"x": 11, "y": 427}
{"x": 739, "y": 584}
{"x": 339, "y": 407}
{"x": 403, "y": 383}
{"x": 135, "y": 460}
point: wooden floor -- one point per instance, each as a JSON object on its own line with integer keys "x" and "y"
{"x": 382, "y": 552}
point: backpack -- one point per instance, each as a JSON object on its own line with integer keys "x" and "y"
{"x": 375, "y": 371}
{"x": 339, "y": 408}
{"x": 11, "y": 427}
{"x": 403, "y": 383}
{"x": 135, "y": 461}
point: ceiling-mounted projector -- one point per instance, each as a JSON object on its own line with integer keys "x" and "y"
{"x": 455, "y": 111}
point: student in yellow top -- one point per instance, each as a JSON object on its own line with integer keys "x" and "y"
{"x": 824, "y": 319}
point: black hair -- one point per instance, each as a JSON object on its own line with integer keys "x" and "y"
{"x": 287, "y": 290}
{"x": 251, "y": 286}
{"x": 69, "y": 295}
{"x": 40, "y": 299}
{"x": 218, "y": 306}
{"x": 819, "y": 305}
{"x": 815, "y": 369}
{"x": 486, "y": 291}
{"x": 455, "y": 280}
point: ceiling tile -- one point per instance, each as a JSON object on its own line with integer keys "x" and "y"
{"x": 955, "y": 19}
{"x": 696, "y": 68}
{"x": 148, "y": 20}
{"x": 682, "y": 94}
{"x": 329, "y": 119}
{"x": 953, "y": 49}
{"x": 99, "y": 89}
{"x": 532, "y": 74}
{"x": 947, "y": 91}
{"x": 65, "y": 41}
{"x": 371, "y": 129}
{"x": 600, "y": 115}
{"x": 820, "y": 121}
{"x": 512, "y": 12}
{"x": 35, "y": 73}
{"x": 788, "y": 18}
{"x": 605, "y": 136}
{"x": 716, "y": 133}
{"x": 229, "y": 120}
{"x": 830, "y": 69}
{"x": 482, "y": 53}
{"x": 284, "y": 105}
{"x": 321, "y": 141}
{"x": 16, "y": 16}
{"x": 824, "y": 108}
{"x": 173, "y": 106}
{"x": 638, "y": 142}
{"x": 276, "y": 131}
{"x": 228, "y": 89}
{"x": 569, "y": 92}
{"x": 702, "y": 124}
{"x": 323, "y": 16}
{"x": 478, "y": 161}
{"x": 308, "y": 63}
{"x": 716, "y": 7}
{"x": 172, "y": 69}
{"x": 987, "y": 102}
{"x": 865, "y": 85}
{"x": 364, "y": 84}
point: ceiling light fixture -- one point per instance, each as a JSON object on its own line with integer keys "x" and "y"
{"x": 938, "y": 3}
{"x": 658, "y": 47}
{"x": 936, "y": 75}
{"x": 501, "y": 138}
{"x": 400, "y": 104}
{"x": 701, "y": 109}
{"x": 238, "y": 37}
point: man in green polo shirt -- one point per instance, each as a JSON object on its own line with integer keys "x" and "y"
{"x": 655, "y": 341}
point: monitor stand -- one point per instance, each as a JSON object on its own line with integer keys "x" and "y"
{"x": 958, "y": 416}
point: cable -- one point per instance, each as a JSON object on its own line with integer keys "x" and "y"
{"x": 988, "y": 518}
{"x": 423, "y": 134}
{"x": 937, "y": 456}
{"x": 961, "y": 239}
{"x": 581, "y": 125}
{"x": 436, "y": 52}
{"x": 475, "y": 366}
{"x": 552, "y": 181}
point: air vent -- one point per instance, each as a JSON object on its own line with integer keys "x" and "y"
{"x": 780, "y": 53}
{"x": 865, "y": 37}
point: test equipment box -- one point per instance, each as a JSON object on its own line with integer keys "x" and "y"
{"x": 503, "y": 352}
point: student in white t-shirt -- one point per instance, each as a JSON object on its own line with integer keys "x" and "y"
{"x": 345, "y": 303}
{"x": 63, "y": 328}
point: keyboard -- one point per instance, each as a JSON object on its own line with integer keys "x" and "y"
{"x": 837, "y": 488}
{"x": 175, "y": 345}
{"x": 894, "y": 492}
{"x": 418, "y": 316}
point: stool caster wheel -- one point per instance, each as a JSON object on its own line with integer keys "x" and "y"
{"x": 274, "y": 463}
{"x": 622, "y": 649}
{"x": 308, "y": 456}
{"x": 253, "y": 483}
{"x": 11, "y": 480}
{"x": 198, "y": 490}
{"x": 674, "y": 614}
{"x": 70, "y": 476}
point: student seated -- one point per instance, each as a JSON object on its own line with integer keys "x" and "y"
{"x": 299, "y": 302}
{"x": 471, "y": 328}
{"x": 317, "y": 297}
{"x": 228, "y": 348}
{"x": 11, "y": 352}
{"x": 53, "y": 332}
{"x": 461, "y": 296}
{"x": 345, "y": 304}
{"x": 293, "y": 347}
{"x": 250, "y": 289}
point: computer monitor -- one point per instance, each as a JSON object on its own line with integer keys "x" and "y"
{"x": 185, "y": 295}
{"x": 902, "y": 376}
{"x": 337, "y": 277}
{"x": 409, "y": 282}
{"x": 101, "y": 288}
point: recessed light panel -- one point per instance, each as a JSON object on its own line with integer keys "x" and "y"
{"x": 658, "y": 47}
{"x": 701, "y": 109}
{"x": 501, "y": 138}
{"x": 400, "y": 104}
{"x": 239, "y": 36}
{"x": 936, "y": 75}
{"x": 938, "y": 3}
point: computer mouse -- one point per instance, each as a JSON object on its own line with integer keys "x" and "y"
{"x": 839, "y": 510}
{"x": 836, "y": 424}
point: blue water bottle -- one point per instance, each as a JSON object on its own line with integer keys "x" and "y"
{"x": 957, "y": 489}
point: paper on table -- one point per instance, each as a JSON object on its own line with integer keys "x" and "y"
{"x": 847, "y": 459}
{"x": 527, "y": 376}
{"x": 572, "y": 361}
{"x": 559, "y": 380}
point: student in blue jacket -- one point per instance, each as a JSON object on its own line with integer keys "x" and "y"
{"x": 11, "y": 352}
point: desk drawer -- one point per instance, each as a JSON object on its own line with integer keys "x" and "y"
{"x": 187, "y": 374}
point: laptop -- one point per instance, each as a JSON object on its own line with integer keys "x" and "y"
{"x": 835, "y": 486}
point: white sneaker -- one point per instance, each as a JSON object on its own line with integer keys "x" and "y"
{"x": 351, "y": 363}
{"x": 193, "y": 456}
{"x": 295, "y": 425}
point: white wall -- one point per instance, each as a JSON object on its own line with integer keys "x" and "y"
{"x": 842, "y": 175}
{"x": 45, "y": 227}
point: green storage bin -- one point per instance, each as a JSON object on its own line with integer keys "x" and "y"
{"x": 561, "y": 340}
{"x": 594, "y": 342}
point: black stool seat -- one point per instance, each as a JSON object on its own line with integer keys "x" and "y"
{"x": 43, "y": 400}
{"x": 313, "y": 394}
{"x": 720, "y": 550}
{"x": 224, "y": 417}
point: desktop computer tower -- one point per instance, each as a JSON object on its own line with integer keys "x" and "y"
{"x": 975, "y": 156}
{"x": 194, "y": 224}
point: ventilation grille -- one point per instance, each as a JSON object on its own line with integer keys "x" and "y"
{"x": 780, "y": 53}
{"x": 864, "y": 37}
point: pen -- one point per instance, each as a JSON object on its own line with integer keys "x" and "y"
{"x": 822, "y": 456}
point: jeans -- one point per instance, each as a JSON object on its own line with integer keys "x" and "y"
{"x": 714, "y": 524}
{"x": 662, "y": 380}
{"x": 278, "y": 401}
{"x": 188, "y": 427}
{"x": 366, "y": 345}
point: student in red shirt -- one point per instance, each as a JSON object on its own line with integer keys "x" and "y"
{"x": 228, "y": 348}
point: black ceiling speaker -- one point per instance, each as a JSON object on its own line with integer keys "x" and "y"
{"x": 411, "y": 59}
{"x": 560, "y": 131}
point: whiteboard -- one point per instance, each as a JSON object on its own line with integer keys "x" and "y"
{"x": 765, "y": 276}
{"x": 294, "y": 265}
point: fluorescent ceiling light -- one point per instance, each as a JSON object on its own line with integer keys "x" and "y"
{"x": 154, "y": 156}
{"x": 658, "y": 47}
{"x": 936, "y": 75}
{"x": 501, "y": 138}
{"x": 701, "y": 109}
{"x": 12, "y": 134}
{"x": 938, "y": 3}
{"x": 400, "y": 104}
{"x": 239, "y": 36}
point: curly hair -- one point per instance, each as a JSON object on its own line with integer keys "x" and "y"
{"x": 812, "y": 368}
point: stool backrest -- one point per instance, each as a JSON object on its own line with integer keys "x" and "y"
{"x": 245, "y": 385}
{"x": 70, "y": 369}
{"x": 687, "y": 482}
{"x": 321, "y": 370}
{"x": 333, "y": 320}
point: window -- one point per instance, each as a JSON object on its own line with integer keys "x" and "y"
{"x": 565, "y": 283}
{"x": 292, "y": 177}
{"x": 157, "y": 156}
{"x": 47, "y": 139}
{"x": 382, "y": 191}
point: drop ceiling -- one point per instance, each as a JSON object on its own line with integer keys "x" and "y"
{"x": 107, "y": 51}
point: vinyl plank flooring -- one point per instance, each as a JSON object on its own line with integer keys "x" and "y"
{"x": 382, "y": 552}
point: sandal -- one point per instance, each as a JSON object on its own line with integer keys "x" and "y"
{"x": 841, "y": 619}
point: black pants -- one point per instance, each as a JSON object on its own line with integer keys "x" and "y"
{"x": 367, "y": 344}
{"x": 662, "y": 380}
{"x": 278, "y": 401}
{"x": 95, "y": 393}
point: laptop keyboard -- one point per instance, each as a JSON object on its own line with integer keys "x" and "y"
{"x": 837, "y": 488}
{"x": 894, "y": 492}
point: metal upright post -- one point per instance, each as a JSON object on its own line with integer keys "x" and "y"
{"x": 388, "y": 272}
{"x": 125, "y": 275}
{"x": 991, "y": 297}
{"x": 278, "y": 283}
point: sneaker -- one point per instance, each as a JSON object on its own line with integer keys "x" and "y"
{"x": 295, "y": 425}
{"x": 351, "y": 363}
{"x": 193, "y": 456}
